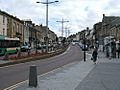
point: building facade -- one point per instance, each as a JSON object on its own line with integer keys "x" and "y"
{"x": 40, "y": 33}
{"x": 11, "y": 26}
{"x": 16, "y": 28}
{"x": 26, "y": 33}
{"x": 3, "y": 24}
{"x": 25, "y": 30}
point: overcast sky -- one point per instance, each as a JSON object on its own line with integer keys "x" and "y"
{"x": 79, "y": 13}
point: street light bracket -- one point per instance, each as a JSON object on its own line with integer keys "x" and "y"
{"x": 46, "y": 36}
{"x": 46, "y": 2}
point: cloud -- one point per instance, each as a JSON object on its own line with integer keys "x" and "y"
{"x": 79, "y": 13}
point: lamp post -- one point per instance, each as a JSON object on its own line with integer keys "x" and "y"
{"x": 84, "y": 47}
{"x": 46, "y": 35}
{"x": 85, "y": 43}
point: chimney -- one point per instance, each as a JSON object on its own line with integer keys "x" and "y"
{"x": 103, "y": 15}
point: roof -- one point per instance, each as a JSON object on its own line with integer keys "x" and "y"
{"x": 109, "y": 19}
{"x": 116, "y": 21}
{"x": 11, "y": 16}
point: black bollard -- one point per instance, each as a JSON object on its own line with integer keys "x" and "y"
{"x": 33, "y": 76}
{"x": 84, "y": 55}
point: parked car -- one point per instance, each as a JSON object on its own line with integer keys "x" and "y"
{"x": 25, "y": 48}
{"x": 80, "y": 44}
{"x": 39, "y": 46}
{"x": 73, "y": 43}
{"x": 84, "y": 47}
{"x": 44, "y": 46}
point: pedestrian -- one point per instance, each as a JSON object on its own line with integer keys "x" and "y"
{"x": 118, "y": 50}
{"x": 94, "y": 55}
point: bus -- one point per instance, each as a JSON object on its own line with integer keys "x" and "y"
{"x": 9, "y": 45}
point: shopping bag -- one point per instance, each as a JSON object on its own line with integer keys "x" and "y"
{"x": 91, "y": 58}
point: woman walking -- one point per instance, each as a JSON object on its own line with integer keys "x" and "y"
{"x": 94, "y": 55}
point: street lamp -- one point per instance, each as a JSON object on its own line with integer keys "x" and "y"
{"x": 46, "y": 36}
{"x": 85, "y": 48}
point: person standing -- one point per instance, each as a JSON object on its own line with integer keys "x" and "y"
{"x": 118, "y": 50}
{"x": 94, "y": 55}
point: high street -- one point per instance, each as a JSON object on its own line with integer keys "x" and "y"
{"x": 13, "y": 74}
{"x": 79, "y": 75}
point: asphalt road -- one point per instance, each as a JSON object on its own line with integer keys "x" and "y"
{"x": 16, "y": 73}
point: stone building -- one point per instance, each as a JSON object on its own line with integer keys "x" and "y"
{"x": 25, "y": 30}
{"x": 107, "y": 22}
{"x": 3, "y": 24}
{"x": 42, "y": 29}
{"x": 14, "y": 26}
{"x": 110, "y": 26}
{"x": 52, "y": 36}
{"x": 40, "y": 33}
{"x": 98, "y": 33}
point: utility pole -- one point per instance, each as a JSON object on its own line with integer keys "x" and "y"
{"x": 62, "y": 21}
{"x": 66, "y": 31}
{"x": 69, "y": 32}
{"x": 84, "y": 46}
{"x": 46, "y": 34}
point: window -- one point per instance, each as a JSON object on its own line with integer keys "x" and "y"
{"x": 14, "y": 25}
{"x": 3, "y": 31}
{"x": 17, "y": 27}
{"x": 21, "y": 29}
{"x": 3, "y": 20}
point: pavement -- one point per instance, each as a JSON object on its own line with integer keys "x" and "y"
{"x": 79, "y": 75}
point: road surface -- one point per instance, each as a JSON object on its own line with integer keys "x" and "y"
{"x": 13, "y": 74}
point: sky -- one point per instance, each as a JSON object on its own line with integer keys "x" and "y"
{"x": 79, "y": 13}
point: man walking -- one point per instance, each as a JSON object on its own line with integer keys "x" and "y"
{"x": 94, "y": 55}
{"x": 118, "y": 50}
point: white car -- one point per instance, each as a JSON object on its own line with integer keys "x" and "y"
{"x": 25, "y": 48}
{"x": 73, "y": 43}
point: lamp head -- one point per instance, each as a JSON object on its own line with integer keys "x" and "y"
{"x": 56, "y": 1}
{"x": 37, "y": 2}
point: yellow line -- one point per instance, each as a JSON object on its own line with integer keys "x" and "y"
{"x": 16, "y": 85}
{"x": 11, "y": 65}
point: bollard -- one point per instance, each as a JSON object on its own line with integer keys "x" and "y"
{"x": 6, "y": 56}
{"x": 19, "y": 53}
{"x": 33, "y": 76}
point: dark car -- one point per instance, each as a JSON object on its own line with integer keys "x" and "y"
{"x": 84, "y": 47}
